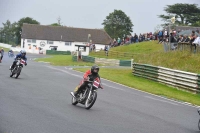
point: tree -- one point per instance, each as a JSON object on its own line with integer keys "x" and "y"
{"x": 185, "y": 14}
{"x": 19, "y": 25}
{"x": 197, "y": 24}
{"x": 55, "y": 24}
{"x": 7, "y": 32}
{"x": 117, "y": 24}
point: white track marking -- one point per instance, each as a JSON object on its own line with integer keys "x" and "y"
{"x": 161, "y": 100}
{"x": 174, "y": 102}
{"x": 80, "y": 77}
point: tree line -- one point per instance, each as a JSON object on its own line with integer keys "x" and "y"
{"x": 116, "y": 24}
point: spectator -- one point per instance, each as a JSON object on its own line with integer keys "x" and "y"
{"x": 172, "y": 41}
{"x": 119, "y": 41}
{"x": 197, "y": 31}
{"x": 140, "y": 38}
{"x": 160, "y": 35}
{"x": 135, "y": 38}
{"x": 166, "y": 34}
{"x": 186, "y": 39}
{"x": 181, "y": 39}
{"x": 106, "y": 50}
{"x": 94, "y": 47}
{"x": 2, "y": 53}
{"x": 192, "y": 38}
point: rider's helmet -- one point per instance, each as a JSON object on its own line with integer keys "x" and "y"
{"x": 95, "y": 69}
{"x": 23, "y": 52}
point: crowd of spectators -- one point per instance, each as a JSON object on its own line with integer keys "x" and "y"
{"x": 129, "y": 39}
{"x": 162, "y": 36}
{"x": 175, "y": 37}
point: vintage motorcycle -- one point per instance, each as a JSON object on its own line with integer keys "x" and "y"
{"x": 11, "y": 54}
{"x": 18, "y": 68}
{"x": 88, "y": 95}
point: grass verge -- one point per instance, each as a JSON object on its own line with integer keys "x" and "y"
{"x": 63, "y": 60}
{"x": 153, "y": 53}
{"x": 5, "y": 49}
{"x": 125, "y": 77}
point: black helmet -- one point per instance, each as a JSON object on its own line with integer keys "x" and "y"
{"x": 95, "y": 69}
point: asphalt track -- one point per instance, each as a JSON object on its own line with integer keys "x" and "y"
{"x": 39, "y": 101}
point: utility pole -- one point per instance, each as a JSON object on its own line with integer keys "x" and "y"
{"x": 59, "y": 20}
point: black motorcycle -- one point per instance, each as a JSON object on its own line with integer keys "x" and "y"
{"x": 18, "y": 68}
{"x": 88, "y": 95}
{"x": 199, "y": 119}
{"x": 11, "y": 54}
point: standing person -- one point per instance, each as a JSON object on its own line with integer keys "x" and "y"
{"x": 197, "y": 30}
{"x": 106, "y": 50}
{"x": 192, "y": 38}
{"x": 2, "y": 53}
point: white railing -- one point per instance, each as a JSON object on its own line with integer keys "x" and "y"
{"x": 180, "y": 79}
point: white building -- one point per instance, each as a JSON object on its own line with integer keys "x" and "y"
{"x": 37, "y": 38}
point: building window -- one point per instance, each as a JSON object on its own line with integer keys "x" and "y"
{"x": 33, "y": 41}
{"x": 49, "y": 42}
{"x": 68, "y": 43}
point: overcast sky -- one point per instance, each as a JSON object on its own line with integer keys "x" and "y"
{"x": 87, "y": 13}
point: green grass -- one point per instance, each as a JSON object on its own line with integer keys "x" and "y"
{"x": 153, "y": 53}
{"x": 146, "y": 53}
{"x": 5, "y": 49}
{"x": 63, "y": 60}
{"x": 124, "y": 76}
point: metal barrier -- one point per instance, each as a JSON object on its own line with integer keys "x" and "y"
{"x": 74, "y": 58}
{"x": 104, "y": 61}
{"x": 186, "y": 46}
{"x": 54, "y": 52}
{"x": 180, "y": 79}
{"x": 109, "y": 62}
{"x": 88, "y": 59}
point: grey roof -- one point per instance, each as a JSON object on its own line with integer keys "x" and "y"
{"x": 187, "y": 32}
{"x": 187, "y": 28}
{"x": 181, "y": 28}
{"x": 69, "y": 34}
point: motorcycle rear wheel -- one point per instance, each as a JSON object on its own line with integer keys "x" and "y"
{"x": 199, "y": 124}
{"x": 91, "y": 100}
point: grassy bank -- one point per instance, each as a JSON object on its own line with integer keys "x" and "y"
{"x": 63, "y": 60}
{"x": 125, "y": 77}
{"x": 153, "y": 53}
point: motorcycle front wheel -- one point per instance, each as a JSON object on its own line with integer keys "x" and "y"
{"x": 91, "y": 100}
{"x": 199, "y": 124}
{"x": 74, "y": 101}
{"x": 17, "y": 75}
{"x": 11, "y": 73}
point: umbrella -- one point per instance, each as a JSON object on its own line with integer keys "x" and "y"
{"x": 187, "y": 32}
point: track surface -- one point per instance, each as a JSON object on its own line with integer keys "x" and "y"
{"x": 40, "y": 102}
